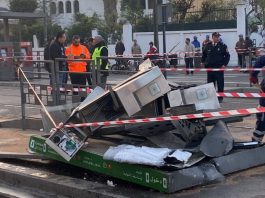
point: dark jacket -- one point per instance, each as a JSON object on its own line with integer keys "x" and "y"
{"x": 215, "y": 56}
{"x": 47, "y": 56}
{"x": 119, "y": 48}
{"x": 260, "y": 62}
{"x": 57, "y": 50}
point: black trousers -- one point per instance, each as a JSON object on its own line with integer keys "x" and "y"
{"x": 241, "y": 60}
{"x": 189, "y": 64}
{"x": 78, "y": 79}
{"x": 217, "y": 78}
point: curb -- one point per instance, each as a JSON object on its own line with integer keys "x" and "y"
{"x": 61, "y": 185}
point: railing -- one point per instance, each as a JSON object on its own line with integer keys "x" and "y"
{"x": 202, "y": 16}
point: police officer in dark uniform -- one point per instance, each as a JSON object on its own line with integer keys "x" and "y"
{"x": 216, "y": 55}
{"x": 259, "y": 132}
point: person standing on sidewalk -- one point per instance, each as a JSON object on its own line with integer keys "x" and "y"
{"x": 216, "y": 55}
{"x": 259, "y": 132}
{"x": 119, "y": 50}
{"x": 101, "y": 50}
{"x": 77, "y": 51}
{"x": 241, "y": 49}
{"x": 197, "y": 55}
{"x": 189, "y": 54}
{"x": 205, "y": 42}
{"x": 57, "y": 50}
{"x": 90, "y": 47}
{"x": 136, "y": 52}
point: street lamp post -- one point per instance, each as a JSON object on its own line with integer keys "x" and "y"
{"x": 155, "y": 18}
{"x": 164, "y": 22}
{"x": 45, "y": 21}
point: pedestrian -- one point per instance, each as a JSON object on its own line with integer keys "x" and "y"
{"x": 197, "y": 55}
{"x": 136, "y": 49}
{"x": 189, "y": 55}
{"x": 152, "y": 53}
{"x": 57, "y": 50}
{"x": 196, "y": 44}
{"x": 119, "y": 50}
{"x": 77, "y": 51}
{"x": 216, "y": 55}
{"x": 205, "y": 42}
{"x": 249, "y": 56}
{"x": 90, "y": 47}
{"x": 101, "y": 50}
{"x": 136, "y": 52}
{"x": 241, "y": 49}
{"x": 47, "y": 57}
{"x": 259, "y": 131}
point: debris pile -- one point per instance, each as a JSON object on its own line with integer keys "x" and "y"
{"x": 147, "y": 94}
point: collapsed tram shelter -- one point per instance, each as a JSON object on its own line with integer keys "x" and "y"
{"x": 167, "y": 156}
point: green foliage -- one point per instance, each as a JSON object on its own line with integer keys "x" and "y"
{"x": 180, "y": 9}
{"x": 37, "y": 29}
{"x": 261, "y": 5}
{"x": 23, "y": 5}
{"x": 84, "y": 25}
{"x": 132, "y": 10}
{"x": 206, "y": 12}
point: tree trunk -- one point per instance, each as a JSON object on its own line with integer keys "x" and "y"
{"x": 110, "y": 12}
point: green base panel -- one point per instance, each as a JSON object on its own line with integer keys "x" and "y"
{"x": 91, "y": 158}
{"x": 148, "y": 177}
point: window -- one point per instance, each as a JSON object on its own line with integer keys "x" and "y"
{"x": 61, "y": 10}
{"x": 53, "y": 8}
{"x": 76, "y": 6}
{"x": 68, "y": 7}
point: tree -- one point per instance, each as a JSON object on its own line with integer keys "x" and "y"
{"x": 85, "y": 25}
{"x": 261, "y": 7}
{"x": 180, "y": 9}
{"x": 23, "y": 5}
{"x": 132, "y": 10}
{"x": 113, "y": 28}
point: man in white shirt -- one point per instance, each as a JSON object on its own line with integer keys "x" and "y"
{"x": 189, "y": 55}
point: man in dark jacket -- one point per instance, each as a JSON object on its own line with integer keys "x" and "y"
{"x": 57, "y": 50}
{"x": 119, "y": 50}
{"x": 90, "y": 47}
{"x": 47, "y": 57}
{"x": 101, "y": 50}
{"x": 216, "y": 55}
{"x": 259, "y": 133}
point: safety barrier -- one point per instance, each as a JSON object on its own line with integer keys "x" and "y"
{"x": 173, "y": 118}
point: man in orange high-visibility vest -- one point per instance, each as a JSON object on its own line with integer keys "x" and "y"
{"x": 77, "y": 51}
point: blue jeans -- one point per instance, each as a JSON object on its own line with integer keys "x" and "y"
{"x": 63, "y": 76}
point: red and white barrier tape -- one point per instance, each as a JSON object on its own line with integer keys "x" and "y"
{"x": 220, "y": 94}
{"x": 172, "y": 118}
{"x": 182, "y": 53}
{"x": 241, "y": 95}
{"x": 237, "y": 69}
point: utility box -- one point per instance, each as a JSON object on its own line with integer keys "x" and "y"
{"x": 142, "y": 90}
